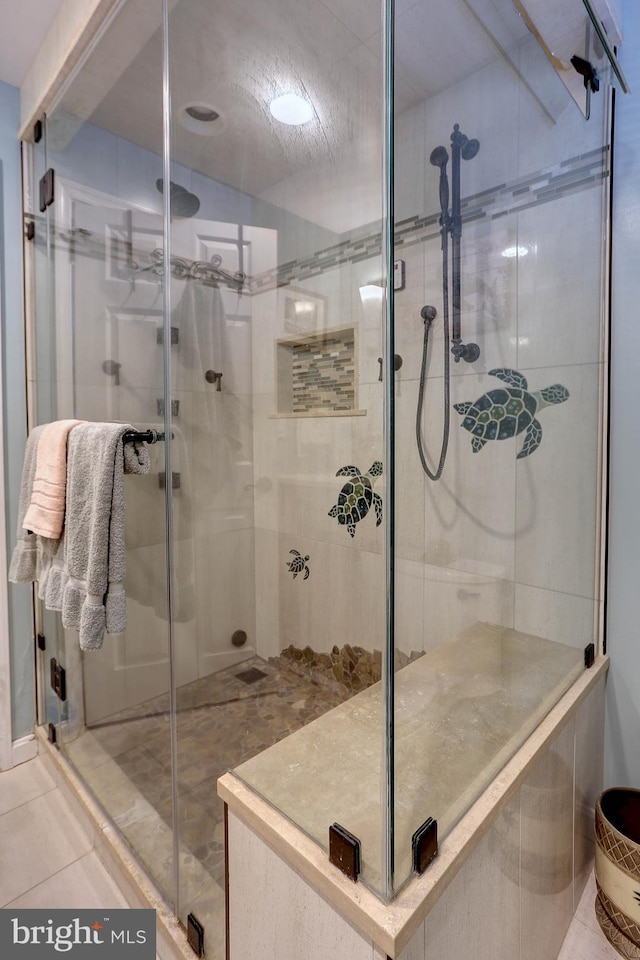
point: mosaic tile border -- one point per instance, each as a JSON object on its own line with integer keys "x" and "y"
{"x": 584, "y": 171}
{"x": 581, "y": 172}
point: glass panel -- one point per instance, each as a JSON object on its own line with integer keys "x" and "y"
{"x": 14, "y": 428}
{"x": 279, "y": 440}
{"x": 44, "y": 401}
{"x": 575, "y": 41}
{"x": 499, "y": 200}
{"x": 101, "y": 350}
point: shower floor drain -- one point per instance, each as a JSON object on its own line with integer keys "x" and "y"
{"x": 251, "y": 675}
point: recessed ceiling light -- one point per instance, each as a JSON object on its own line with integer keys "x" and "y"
{"x": 292, "y": 109}
{"x": 201, "y": 112}
{"x": 515, "y": 252}
{"x": 200, "y": 118}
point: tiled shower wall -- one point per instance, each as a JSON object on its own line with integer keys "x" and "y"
{"x": 499, "y": 539}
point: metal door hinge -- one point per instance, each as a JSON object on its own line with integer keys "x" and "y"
{"x": 175, "y": 480}
{"x": 51, "y": 733}
{"x": 175, "y": 335}
{"x": 344, "y": 851}
{"x": 175, "y": 407}
{"x": 195, "y": 935}
{"x": 47, "y": 190}
{"x": 589, "y": 655}
{"x": 30, "y": 230}
{"x": 58, "y": 679}
{"x": 424, "y": 845}
{"x": 37, "y": 131}
{"x": 41, "y": 641}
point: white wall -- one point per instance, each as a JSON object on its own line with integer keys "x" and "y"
{"x": 622, "y": 752}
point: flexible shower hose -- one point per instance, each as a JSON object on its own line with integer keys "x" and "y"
{"x": 423, "y": 371}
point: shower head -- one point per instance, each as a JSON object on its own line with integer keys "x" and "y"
{"x": 470, "y": 149}
{"x": 439, "y": 157}
{"x": 182, "y": 203}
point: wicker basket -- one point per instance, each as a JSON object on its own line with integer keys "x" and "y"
{"x": 618, "y": 868}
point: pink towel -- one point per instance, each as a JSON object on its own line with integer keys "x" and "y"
{"x": 45, "y": 514}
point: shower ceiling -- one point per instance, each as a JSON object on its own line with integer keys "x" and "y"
{"x": 237, "y": 56}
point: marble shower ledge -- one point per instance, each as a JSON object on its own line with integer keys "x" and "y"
{"x": 391, "y": 925}
{"x": 461, "y": 711}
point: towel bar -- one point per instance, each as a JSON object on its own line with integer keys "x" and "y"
{"x": 142, "y": 436}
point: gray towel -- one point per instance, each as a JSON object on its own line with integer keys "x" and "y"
{"x": 32, "y": 555}
{"x": 145, "y": 529}
{"x": 93, "y": 598}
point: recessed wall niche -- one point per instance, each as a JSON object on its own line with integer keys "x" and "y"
{"x": 316, "y": 374}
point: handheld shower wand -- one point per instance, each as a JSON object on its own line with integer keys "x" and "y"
{"x": 440, "y": 158}
{"x": 450, "y": 225}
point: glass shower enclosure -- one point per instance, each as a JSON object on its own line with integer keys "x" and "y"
{"x": 349, "y": 262}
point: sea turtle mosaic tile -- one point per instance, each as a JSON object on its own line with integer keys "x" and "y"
{"x": 356, "y": 497}
{"x": 298, "y": 564}
{"x": 504, "y": 412}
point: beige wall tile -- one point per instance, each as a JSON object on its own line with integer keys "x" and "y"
{"x": 588, "y": 782}
{"x": 416, "y": 949}
{"x": 557, "y": 616}
{"x": 547, "y": 850}
{"x": 289, "y": 920}
{"x": 478, "y": 914}
{"x": 556, "y": 523}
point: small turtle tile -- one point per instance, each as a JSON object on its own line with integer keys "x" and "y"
{"x": 298, "y": 564}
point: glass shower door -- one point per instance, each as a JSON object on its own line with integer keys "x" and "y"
{"x": 276, "y": 295}
{"x": 100, "y": 348}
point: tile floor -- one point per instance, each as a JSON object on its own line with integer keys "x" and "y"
{"x": 222, "y": 721}
{"x": 47, "y": 860}
{"x": 585, "y": 940}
